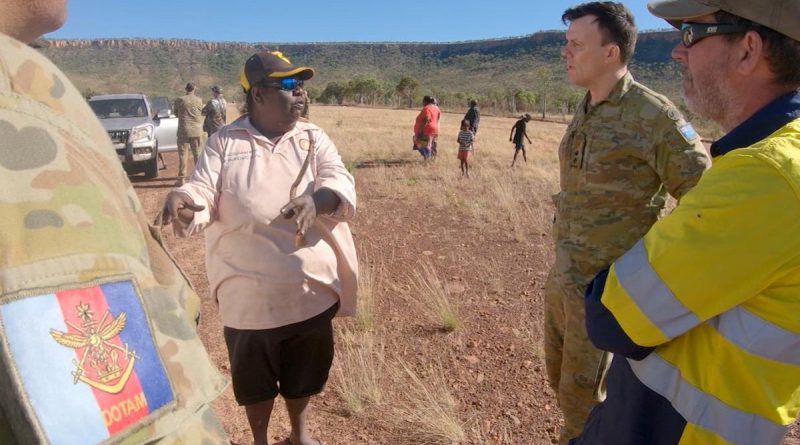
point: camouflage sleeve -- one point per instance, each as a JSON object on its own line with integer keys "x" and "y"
{"x": 680, "y": 157}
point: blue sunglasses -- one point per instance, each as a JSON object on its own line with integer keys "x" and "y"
{"x": 285, "y": 84}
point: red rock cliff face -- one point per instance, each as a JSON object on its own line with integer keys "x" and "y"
{"x": 147, "y": 43}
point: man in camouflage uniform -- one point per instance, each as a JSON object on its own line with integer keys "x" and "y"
{"x": 625, "y": 149}
{"x": 73, "y": 233}
{"x": 189, "y": 109}
{"x": 215, "y": 112}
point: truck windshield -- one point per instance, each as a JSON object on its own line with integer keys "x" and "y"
{"x": 112, "y": 108}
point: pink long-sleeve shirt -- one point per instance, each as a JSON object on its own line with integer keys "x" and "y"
{"x": 255, "y": 272}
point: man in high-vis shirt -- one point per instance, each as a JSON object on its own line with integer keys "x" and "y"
{"x": 702, "y": 313}
{"x": 98, "y": 339}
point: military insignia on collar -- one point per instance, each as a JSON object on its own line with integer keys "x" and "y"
{"x": 688, "y": 133}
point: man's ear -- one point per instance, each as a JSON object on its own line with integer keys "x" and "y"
{"x": 257, "y": 94}
{"x": 749, "y": 52}
{"x": 613, "y": 54}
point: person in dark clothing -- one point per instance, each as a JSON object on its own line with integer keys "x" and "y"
{"x": 518, "y": 131}
{"x": 473, "y": 116}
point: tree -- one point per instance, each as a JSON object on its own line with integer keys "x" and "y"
{"x": 334, "y": 91}
{"x": 407, "y": 89}
{"x": 365, "y": 88}
{"x": 545, "y": 82}
{"x": 313, "y": 93}
{"x": 525, "y": 100}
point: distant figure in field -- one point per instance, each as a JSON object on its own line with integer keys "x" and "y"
{"x": 426, "y": 128}
{"x": 473, "y": 116}
{"x": 189, "y": 109}
{"x": 518, "y": 131}
{"x": 215, "y": 112}
{"x": 466, "y": 144}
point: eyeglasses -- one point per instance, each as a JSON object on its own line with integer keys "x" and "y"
{"x": 285, "y": 84}
{"x": 692, "y": 33}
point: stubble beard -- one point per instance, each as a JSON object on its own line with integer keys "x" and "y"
{"x": 708, "y": 95}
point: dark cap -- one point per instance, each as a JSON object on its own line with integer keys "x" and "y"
{"x": 190, "y": 86}
{"x": 527, "y": 116}
{"x": 782, "y": 16}
{"x": 216, "y": 89}
{"x": 270, "y": 65}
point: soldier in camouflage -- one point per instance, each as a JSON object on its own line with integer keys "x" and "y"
{"x": 625, "y": 150}
{"x": 98, "y": 338}
{"x": 189, "y": 109}
{"x": 215, "y": 112}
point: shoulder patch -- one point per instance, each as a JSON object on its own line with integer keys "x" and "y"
{"x": 688, "y": 132}
{"x": 89, "y": 352}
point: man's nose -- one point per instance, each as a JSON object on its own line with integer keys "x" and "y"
{"x": 679, "y": 53}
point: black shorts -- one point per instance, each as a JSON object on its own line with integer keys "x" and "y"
{"x": 292, "y": 360}
{"x": 519, "y": 146}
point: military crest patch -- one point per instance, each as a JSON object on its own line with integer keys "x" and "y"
{"x": 87, "y": 360}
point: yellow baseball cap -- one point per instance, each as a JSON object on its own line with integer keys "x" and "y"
{"x": 270, "y": 65}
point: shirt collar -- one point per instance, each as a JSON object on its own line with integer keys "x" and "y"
{"x": 243, "y": 123}
{"x": 763, "y": 123}
{"x": 621, "y": 88}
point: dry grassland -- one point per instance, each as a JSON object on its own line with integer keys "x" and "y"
{"x": 447, "y": 345}
{"x": 406, "y": 393}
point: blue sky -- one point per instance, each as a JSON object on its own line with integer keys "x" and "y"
{"x": 322, "y": 20}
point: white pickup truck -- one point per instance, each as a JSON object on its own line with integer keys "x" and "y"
{"x": 138, "y": 130}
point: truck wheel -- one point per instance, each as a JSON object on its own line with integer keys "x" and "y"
{"x": 151, "y": 168}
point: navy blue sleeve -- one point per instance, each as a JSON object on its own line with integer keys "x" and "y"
{"x": 603, "y": 329}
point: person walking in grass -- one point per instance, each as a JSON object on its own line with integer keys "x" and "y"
{"x": 426, "y": 128}
{"x": 466, "y": 144}
{"x": 473, "y": 115}
{"x": 518, "y": 131}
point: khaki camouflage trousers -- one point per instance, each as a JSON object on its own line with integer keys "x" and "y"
{"x": 186, "y": 144}
{"x": 575, "y": 367}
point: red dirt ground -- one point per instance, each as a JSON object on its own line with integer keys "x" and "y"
{"x": 494, "y": 367}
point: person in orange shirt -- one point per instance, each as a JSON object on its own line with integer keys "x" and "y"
{"x": 426, "y": 128}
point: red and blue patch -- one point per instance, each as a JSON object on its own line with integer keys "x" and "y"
{"x": 87, "y": 361}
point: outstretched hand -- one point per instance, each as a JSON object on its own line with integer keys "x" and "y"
{"x": 179, "y": 206}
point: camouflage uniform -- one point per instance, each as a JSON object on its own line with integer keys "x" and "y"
{"x": 216, "y": 115}
{"x": 618, "y": 160}
{"x": 189, "y": 109}
{"x": 72, "y": 223}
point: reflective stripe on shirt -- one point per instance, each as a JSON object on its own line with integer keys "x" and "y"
{"x": 702, "y": 409}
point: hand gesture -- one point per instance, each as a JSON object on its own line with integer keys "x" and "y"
{"x": 179, "y": 206}
{"x": 304, "y": 209}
